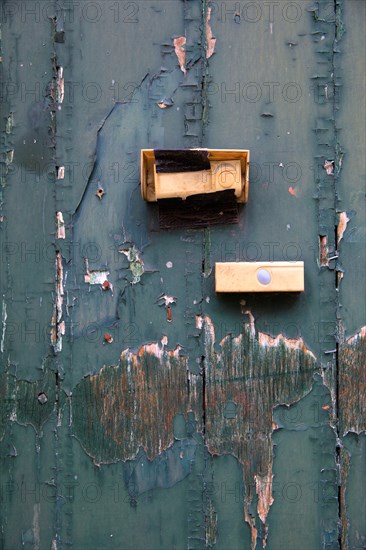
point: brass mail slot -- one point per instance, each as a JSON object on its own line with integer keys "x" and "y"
{"x": 259, "y": 277}
{"x": 181, "y": 173}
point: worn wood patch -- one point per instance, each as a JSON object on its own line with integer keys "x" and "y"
{"x": 30, "y": 403}
{"x": 252, "y": 374}
{"x": 133, "y": 405}
{"x": 352, "y": 384}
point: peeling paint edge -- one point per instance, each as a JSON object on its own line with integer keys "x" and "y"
{"x": 4, "y": 317}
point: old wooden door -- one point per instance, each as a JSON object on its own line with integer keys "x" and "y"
{"x": 139, "y": 409}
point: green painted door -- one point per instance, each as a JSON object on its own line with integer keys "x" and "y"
{"x": 140, "y": 409}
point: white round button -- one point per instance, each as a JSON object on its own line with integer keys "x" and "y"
{"x": 264, "y": 276}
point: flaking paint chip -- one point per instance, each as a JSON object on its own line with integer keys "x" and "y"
{"x": 329, "y": 167}
{"x": 179, "y": 42}
{"x": 100, "y": 193}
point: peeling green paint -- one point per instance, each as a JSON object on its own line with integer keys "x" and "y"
{"x": 353, "y": 486}
{"x": 3, "y": 404}
{"x": 69, "y": 131}
{"x": 121, "y": 409}
{"x": 345, "y": 463}
{"x": 257, "y": 373}
{"x": 339, "y": 21}
{"x": 133, "y": 405}
{"x": 36, "y": 401}
{"x": 136, "y": 264}
{"x": 305, "y": 483}
{"x": 211, "y": 525}
{"x": 352, "y": 374}
{"x": 9, "y": 123}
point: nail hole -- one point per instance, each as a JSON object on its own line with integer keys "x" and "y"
{"x": 42, "y": 398}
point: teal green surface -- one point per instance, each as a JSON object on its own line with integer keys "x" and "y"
{"x": 286, "y": 82}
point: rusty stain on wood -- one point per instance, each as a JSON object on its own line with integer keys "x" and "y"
{"x": 257, "y": 373}
{"x": 132, "y": 405}
{"x": 352, "y": 374}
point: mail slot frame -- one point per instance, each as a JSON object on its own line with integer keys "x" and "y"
{"x": 149, "y": 174}
{"x": 242, "y": 277}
